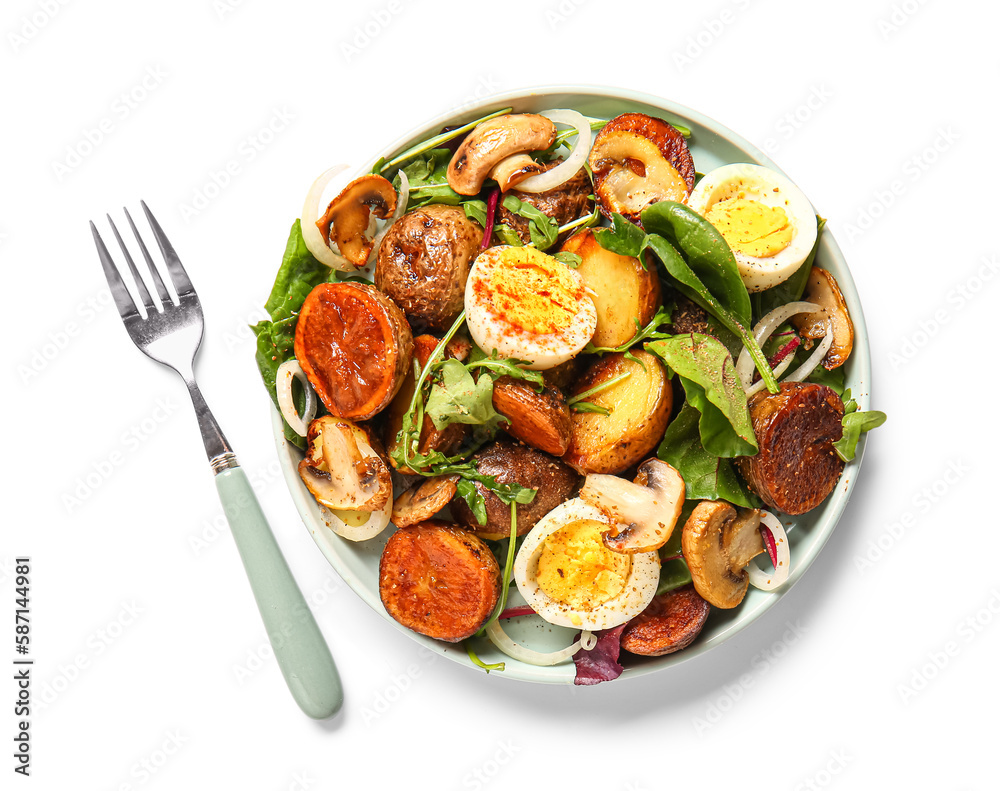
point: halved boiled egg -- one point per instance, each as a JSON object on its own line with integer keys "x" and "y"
{"x": 528, "y": 305}
{"x": 767, "y": 221}
{"x": 569, "y": 577}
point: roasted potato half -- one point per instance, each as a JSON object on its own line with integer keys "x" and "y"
{"x": 438, "y": 580}
{"x": 638, "y": 406}
{"x": 622, "y": 289}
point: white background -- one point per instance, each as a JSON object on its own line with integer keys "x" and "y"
{"x": 149, "y": 651}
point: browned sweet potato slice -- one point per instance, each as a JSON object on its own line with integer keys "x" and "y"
{"x": 797, "y": 466}
{"x": 438, "y": 580}
{"x": 638, "y": 160}
{"x": 541, "y": 420}
{"x": 671, "y": 622}
{"x": 355, "y": 347}
{"x": 445, "y": 440}
{"x": 512, "y": 462}
{"x": 423, "y": 501}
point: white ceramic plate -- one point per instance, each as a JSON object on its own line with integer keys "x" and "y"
{"x": 711, "y": 145}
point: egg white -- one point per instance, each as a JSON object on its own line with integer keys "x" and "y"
{"x": 492, "y": 331}
{"x": 754, "y": 182}
{"x": 640, "y": 586}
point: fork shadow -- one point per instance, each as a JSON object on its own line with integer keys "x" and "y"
{"x": 627, "y": 700}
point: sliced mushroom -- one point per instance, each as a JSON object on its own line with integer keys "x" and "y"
{"x": 348, "y": 218}
{"x": 491, "y": 143}
{"x": 342, "y": 469}
{"x": 513, "y": 170}
{"x": 644, "y": 512}
{"x": 718, "y": 542}
{"x": 638, "y": 160}
{"x": 822, "y": 290}
{"x": 423, "y": 501}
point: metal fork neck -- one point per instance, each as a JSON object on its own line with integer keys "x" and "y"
{"x": 220, "y": 454}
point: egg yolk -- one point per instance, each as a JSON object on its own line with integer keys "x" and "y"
{"x": 577, "y": 570}
{"x": 751, "y": 227}
{"x": 533, "y": 291}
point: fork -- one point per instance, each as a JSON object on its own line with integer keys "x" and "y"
{"x": 171, "y": 335}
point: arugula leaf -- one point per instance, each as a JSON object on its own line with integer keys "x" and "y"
{"x": 572, "y": 260}
{"x": 706, "y": 477}
{"x": 428, "y": 177}
{"x": 712, "y": 385}
{"x": 475, "y": 210}
{"x": 855, "y": 424}
{"x": 651, "y": 330}
{"x": 504, "y": 366}
{"x": 298, "y": 274}
{"x": 542, "y": 229}
{"x": 458, "y": 398}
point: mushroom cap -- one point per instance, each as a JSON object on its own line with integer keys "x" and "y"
{"x": 342, "y": 469}
{"x": 346, "y": 220}
{"x": 493, "y": 141}
{"x": 822, "y": 290}
{"x": 718, "y": 543}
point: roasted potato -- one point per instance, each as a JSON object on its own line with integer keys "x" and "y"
{"x": 671, "y": 622}
{"x": 797, "y": 466}
{"x": 424, "y": 261}
{"x": 438, "y": 580}
{"x": 622, "y": 289}
{"x": 541, "y": 420}
{"x": 512, "y": 462}
{"x": 639, "y": 409}
{"x": 355, "y": 347}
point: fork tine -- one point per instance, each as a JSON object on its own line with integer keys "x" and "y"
{"x": 160, "y": 288}
{"x": 140, "y": 284}
{"x": 179, "y": 277}
{"x": 123, "y": 300}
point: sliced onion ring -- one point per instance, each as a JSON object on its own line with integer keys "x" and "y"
{"x": 311, "y": 235}
{"x": 402, "y": 198}
{"x": 516, "y": 651}
{"x": 348, "y": 524}
{"x": 770, "y": 580}
{"x": 778, "y": 370}
{"x": 565, "y": 170}
{"x": 288, "y": 370}
{"x": 763, "y": 330}
{"x": 813, "y": 359}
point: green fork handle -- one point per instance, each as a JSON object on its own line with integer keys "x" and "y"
{"x": 298, "y": 644}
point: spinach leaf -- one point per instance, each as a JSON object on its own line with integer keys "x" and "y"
{"x": 713, "y": 387}
{"x": 298, "y": 274}
{"x": 791, "y": 290}
{"x": 623, "y": 237}
{"x": 706, "y": 477}
{"x": 855, "y": 424}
